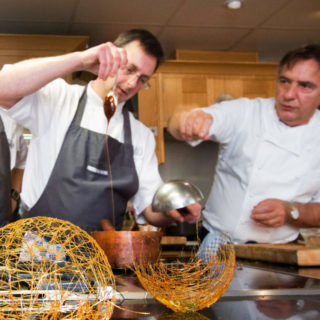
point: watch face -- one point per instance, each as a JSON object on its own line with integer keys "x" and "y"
{"x": 294, "y": 212}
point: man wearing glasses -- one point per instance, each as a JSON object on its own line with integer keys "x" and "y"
{"x": 81, "y": 166}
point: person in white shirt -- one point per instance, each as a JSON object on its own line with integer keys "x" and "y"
{"x": 267, "y": 179}
{"x": 84, "y": 164}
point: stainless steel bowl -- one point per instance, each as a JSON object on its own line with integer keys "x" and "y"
{"x": 175, "y": 194}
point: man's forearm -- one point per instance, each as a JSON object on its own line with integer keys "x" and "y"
{"x": 173, "y": 126}
{"x": 309, "y": 215}
{"x": 16, "y": 182}
{"x": 26, "y": 77}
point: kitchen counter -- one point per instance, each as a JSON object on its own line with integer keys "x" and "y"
{"x": 313, "y": 272}
{"x": 257, "y": 291}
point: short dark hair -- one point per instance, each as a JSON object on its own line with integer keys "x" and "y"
{"x": 148, "y": 42}
{"x": 305, "y": 52}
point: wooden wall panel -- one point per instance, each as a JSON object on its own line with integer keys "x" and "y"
{"x": 150, "y": 114}
{"x": 148, "y": 105}
{"x": 215, "y": 88}
{"x": 202, "y": 55}
{"x": 253, "y": 88}
{"x": 194, "y": 84}
{"x": 172, "y": 96}
{"x": 17, "y": 47}
{"x": 233, "y": 86}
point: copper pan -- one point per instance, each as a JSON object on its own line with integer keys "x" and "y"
{"x": 125, "y": 249}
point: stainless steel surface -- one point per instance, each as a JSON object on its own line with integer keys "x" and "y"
{"x": 247, "y": 283}
{"x": 175, "y": 194}
{"x": 254, "y": 293}
{"x": 265, "y": 293}
{"x": 232, "y": 294}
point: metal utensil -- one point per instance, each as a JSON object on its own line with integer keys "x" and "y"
{"x": 175, "y": 194}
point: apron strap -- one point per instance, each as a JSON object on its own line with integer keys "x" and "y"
{"x": 126, "y": 123}
{"x": 79, "y": 113}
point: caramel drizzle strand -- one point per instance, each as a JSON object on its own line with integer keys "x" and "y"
{"x": 109, "y": 110}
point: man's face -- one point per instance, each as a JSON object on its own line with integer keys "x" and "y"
{"x": 137, "y": 73}
{"x": 298, "y": 92}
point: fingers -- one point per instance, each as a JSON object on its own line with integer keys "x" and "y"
{"x": 111, "y": 59}
{"x": 264, "y": 217}
{"x": 194, "y": 213}
{"x": 270, "y": 213}
{"x": 195, "y": 125}
{"x": 191, "y": 214}
{"x": 123, "y": 58}
{"x": 269, "y": 221}
{"x": 175, "y": 215}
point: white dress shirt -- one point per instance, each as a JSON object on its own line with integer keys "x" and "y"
{"x": 260, "y": 158}
{"x": 17, "y": 145}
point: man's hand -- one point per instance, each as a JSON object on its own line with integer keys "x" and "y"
{"x": 104, "y": 60}
{"x": 190, "y": 126}
{"x": 190, "y": 214}
{"x": 28, "y": 76}
{"x": 271, "y": 213}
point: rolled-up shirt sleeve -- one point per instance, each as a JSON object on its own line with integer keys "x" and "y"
{"x": 225, "y": 116}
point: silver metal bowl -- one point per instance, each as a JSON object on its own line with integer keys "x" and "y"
{"x": 175, "y": 194}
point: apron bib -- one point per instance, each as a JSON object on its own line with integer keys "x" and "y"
{"x": 5, "y": 178}
{"x": 78, "y": 189}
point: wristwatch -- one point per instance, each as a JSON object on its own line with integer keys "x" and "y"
{"x": 294, "y": 213}
{"x": 15, "y": 195}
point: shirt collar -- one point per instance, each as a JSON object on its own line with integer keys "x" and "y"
{"x": 286, "y": 137}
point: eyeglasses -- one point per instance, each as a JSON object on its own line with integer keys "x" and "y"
{"x": 142, "y": 80}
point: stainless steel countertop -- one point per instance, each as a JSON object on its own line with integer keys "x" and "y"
{"x": 256, "y": 292}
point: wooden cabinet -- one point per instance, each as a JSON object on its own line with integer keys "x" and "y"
{"x": 17, "y": 47}
{"x": 151, "y": 114}
{"x": 183, "y": 85}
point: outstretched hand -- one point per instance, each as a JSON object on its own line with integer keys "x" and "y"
{"x": 191, "y": 125}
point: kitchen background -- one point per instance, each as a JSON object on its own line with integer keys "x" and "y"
{"x": 195, "y": 164}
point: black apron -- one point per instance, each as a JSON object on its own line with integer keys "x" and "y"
{"x": 5, "y": 178}
{"x": 78, "y": 189}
